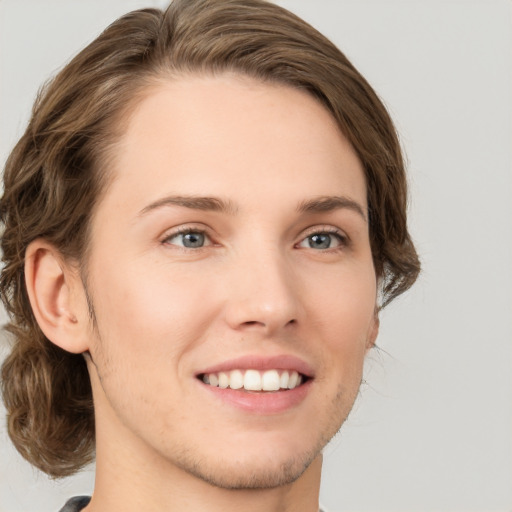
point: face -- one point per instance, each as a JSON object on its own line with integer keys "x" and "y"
{"x": 232, "y": 281}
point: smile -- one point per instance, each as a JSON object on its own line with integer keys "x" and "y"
{"x": 254, "y": 380}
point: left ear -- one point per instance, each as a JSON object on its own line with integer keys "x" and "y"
{"x": 373, "y": 331}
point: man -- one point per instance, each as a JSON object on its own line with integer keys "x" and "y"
{"x": 198, "y": 223}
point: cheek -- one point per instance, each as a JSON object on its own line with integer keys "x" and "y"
{"x": 344, "y": 301}
{"x": 151, "y": 316}
{"x": 343, "y": 316}
{"x": 147, "y": 328}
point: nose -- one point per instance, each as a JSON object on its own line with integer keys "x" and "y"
{"x": 262, "y": 293}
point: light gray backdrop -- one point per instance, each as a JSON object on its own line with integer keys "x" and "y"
{"x": 432, "y": 428}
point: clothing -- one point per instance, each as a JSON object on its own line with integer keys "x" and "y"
{"x": 76, "y": 504}
{"x": 79, "y": 502}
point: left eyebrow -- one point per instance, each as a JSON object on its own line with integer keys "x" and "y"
{"x": 330, "y": 203}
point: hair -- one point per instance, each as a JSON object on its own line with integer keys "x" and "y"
{"x": 58, "y": 170}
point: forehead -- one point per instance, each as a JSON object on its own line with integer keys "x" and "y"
{"x": 228, "y": 134}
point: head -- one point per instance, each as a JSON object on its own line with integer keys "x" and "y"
{"x": 64, "y": 179}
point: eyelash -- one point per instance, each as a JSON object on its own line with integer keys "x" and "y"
{"x": 341, "y": 237}
{"x": 327, "y": 230}
{"x": 185, "y": 231}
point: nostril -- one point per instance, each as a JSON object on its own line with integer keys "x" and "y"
{"x": 250, "y": 325}
{"x": 253, "y": 323}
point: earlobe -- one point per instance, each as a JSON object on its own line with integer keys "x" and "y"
{"x": 373, "y": 332}
{"x": 51, "y": 286}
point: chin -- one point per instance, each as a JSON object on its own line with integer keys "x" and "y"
{"x": 252, "y": 474}
{"x": 261, "y": 469}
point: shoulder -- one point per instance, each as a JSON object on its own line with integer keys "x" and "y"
{"x": 76, "y": 504}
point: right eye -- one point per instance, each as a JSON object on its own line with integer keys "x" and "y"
{"x": 189, "y": 239}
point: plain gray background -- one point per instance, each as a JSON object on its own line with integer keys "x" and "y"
{"x": 432, "y": 428}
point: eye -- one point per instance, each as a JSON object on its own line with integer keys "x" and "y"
{"x": 323, "y": 240}
{"x": 190, "y": 239}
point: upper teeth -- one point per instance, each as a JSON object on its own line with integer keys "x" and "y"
{"x": 253, "y": 380}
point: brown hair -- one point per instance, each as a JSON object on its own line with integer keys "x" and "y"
{"x": 56, "y": 172}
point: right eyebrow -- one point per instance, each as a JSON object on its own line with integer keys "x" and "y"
{"x": 213, "y": 204}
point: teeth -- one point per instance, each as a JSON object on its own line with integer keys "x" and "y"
{"x": 285, "y": 377}
{"x": 270, "y": 381}
{"x": 223, "y": 380}
{"x": 254, "y": 380}
{"x": 236, "y": 379}
{"x": 292, "y": 381}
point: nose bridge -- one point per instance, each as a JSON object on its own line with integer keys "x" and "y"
{"x": 263, "y": 292}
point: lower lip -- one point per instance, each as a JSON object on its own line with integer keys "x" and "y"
{"x": 262, "y": 402}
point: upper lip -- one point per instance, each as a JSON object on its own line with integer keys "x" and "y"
{"x": 257, "y": 362}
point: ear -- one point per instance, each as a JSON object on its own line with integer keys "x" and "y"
{"x": 373, "y": 331}
{"x": 56, "y": 296}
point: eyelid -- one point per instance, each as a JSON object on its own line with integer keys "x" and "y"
{"x": 344, "y": 239}
{"x": 324, "y": 228}
{"x": 183, "y": 230}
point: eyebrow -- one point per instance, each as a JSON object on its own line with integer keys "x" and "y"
{"x": 316, "y": 205}
{"x": 330, "y": 203}
{"x": 213, "y": 204}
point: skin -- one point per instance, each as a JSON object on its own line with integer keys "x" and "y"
{"x": 259, "y": 286}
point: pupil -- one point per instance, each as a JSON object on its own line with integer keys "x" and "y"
{"x": 320, "y": 241}
{"x": 193, "y": 240}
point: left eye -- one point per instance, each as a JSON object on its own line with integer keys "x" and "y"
{"x": 189, "y": 239}
{"x": 322, "y": 241}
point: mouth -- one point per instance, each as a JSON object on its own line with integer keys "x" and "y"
{"x": 252, "y": 380}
